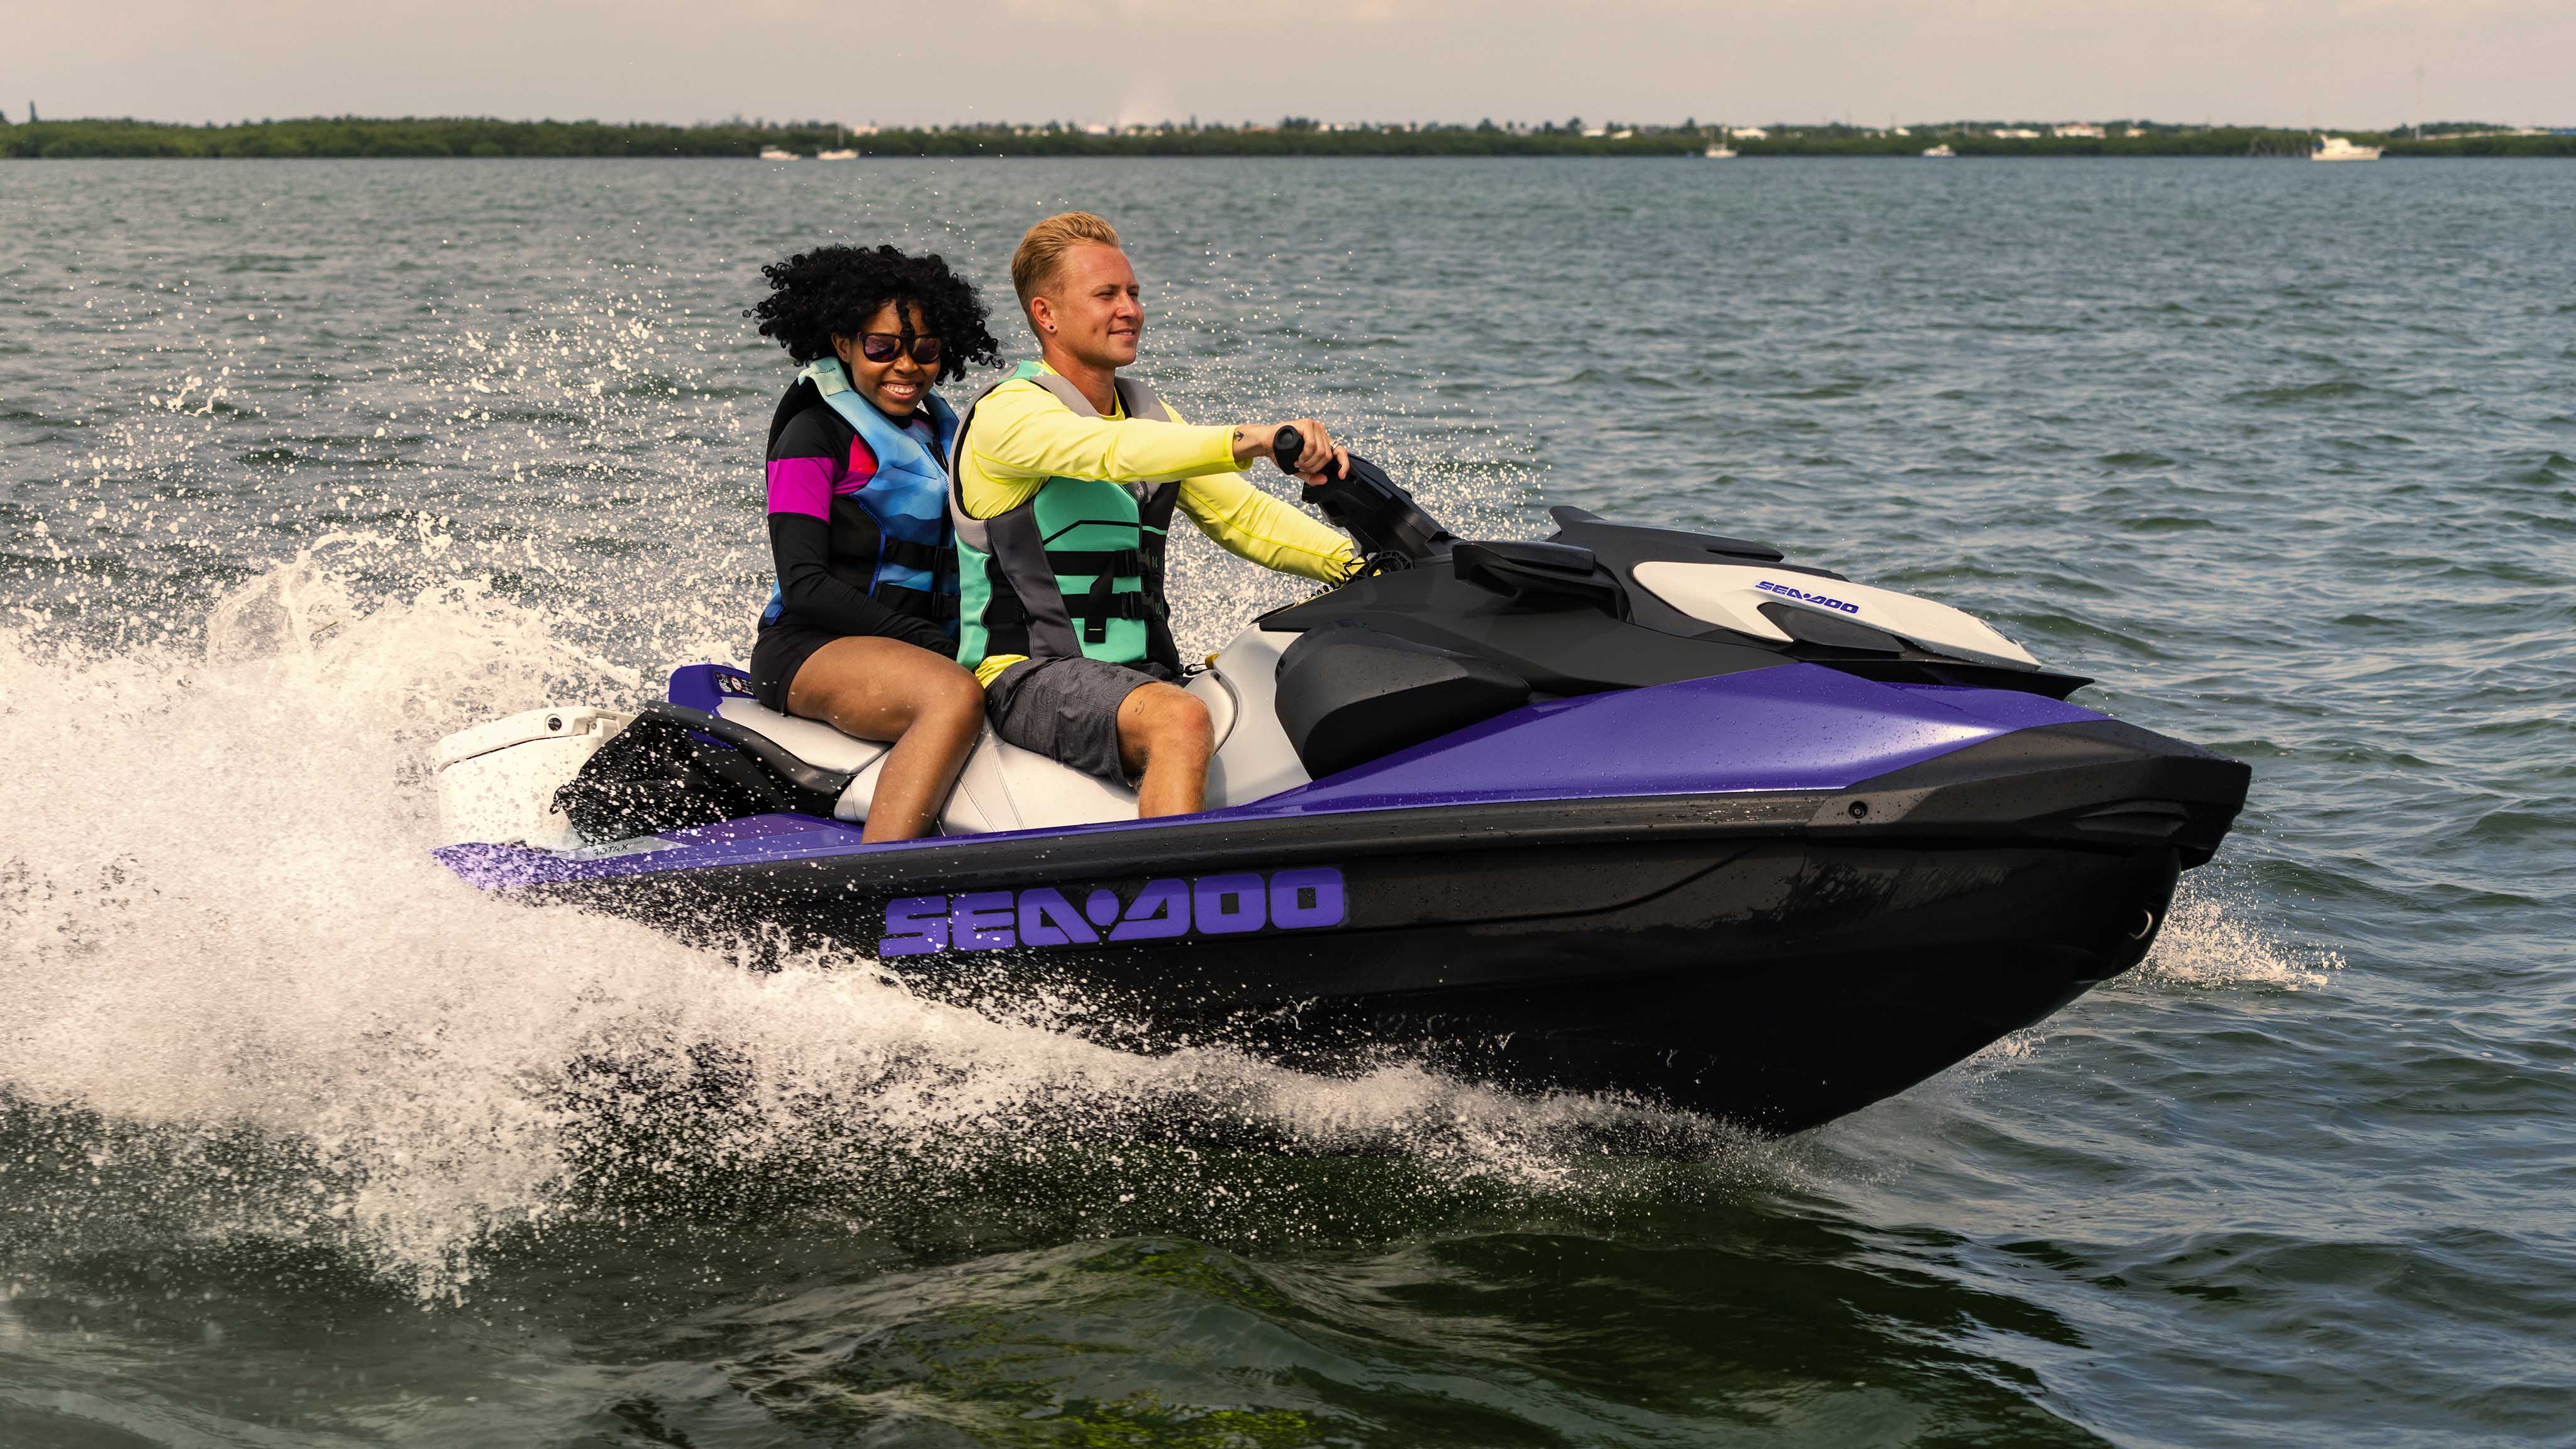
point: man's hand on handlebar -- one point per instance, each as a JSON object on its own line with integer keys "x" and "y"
{"x": 1316, "y": 456}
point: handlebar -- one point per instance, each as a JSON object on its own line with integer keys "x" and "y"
{"x": 1363, "y": 502}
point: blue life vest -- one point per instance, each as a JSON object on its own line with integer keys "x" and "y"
{"x": 907, "y": 500}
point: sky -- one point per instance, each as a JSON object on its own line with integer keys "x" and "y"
{"x": 2331, "y": 63}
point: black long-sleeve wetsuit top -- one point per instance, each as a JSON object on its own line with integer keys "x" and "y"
{"x": 824, "y": 542}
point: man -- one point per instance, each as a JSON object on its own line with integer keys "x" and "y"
{"x": 1063, "y": 480}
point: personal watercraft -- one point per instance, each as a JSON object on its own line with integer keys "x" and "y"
{"x": 1627, "y": 809}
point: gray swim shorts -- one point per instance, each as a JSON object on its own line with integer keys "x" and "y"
{"x": 1067, "y": 709}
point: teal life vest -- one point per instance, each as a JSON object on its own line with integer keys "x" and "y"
{"x": 898, "y": 528}
{"x": 1077, "y": 570}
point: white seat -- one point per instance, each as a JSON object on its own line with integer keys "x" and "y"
{"x": 810, "y": 740}
{"x": 1003, "y": 787}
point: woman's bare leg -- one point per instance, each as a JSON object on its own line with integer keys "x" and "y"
{"x": 885, "y": 689}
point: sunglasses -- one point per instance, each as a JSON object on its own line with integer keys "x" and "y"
{"x": 886, "y": 347}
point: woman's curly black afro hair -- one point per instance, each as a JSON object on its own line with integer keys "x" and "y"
{"x": 832, "y": 292}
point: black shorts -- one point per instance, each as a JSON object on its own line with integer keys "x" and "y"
{"x": 777, "y": 654}
{"x": 1067, "y": 709}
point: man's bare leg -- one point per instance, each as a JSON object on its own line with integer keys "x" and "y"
{"x": 1164, "y": 735}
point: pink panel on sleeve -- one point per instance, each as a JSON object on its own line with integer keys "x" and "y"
{"x": 801, "y": 485}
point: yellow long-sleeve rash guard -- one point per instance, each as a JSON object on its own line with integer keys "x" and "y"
{"x": 1023, "y": 435}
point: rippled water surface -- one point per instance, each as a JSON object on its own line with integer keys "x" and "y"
{"x": 303, "y": 465}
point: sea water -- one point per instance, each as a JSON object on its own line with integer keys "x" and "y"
{"x": 304, "y": 1142}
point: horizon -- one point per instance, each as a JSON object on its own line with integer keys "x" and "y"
{"x": 28, "y": 113}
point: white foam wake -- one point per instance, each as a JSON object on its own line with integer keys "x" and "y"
{"x": 221, "y": 933}
{"x": 2213, "y": 938}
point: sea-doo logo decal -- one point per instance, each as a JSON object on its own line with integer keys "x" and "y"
{"x": 1789, "y": 593}
{"x": 1213, "y": 905}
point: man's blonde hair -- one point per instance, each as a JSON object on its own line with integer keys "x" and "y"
{"x": 1042, "y": 250}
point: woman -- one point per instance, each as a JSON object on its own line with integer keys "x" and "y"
{"x": 861, "y": 629}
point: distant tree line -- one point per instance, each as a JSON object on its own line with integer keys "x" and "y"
{"x": 358, "y": 136}
{"x": 355, "y": 136}
{"x": 2255, "y": 141}
{"x": 352, "y": 136}
{"x": 2555, "y": 144}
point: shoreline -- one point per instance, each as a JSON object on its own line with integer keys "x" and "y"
{"x": 354, "y": 137}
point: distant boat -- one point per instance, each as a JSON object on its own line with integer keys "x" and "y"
{"x": 772, "y": 153}
{"x": 1719, "y": 151}
{"x": 2337, "y": 148}
{"x": 1939, "y": 151}
{"x": 836, "y": 155}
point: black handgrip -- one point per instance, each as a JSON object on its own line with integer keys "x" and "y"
{"x": 1287, "y": 445}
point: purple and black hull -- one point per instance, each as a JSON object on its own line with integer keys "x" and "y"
{"x": 1774, "y": 895}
